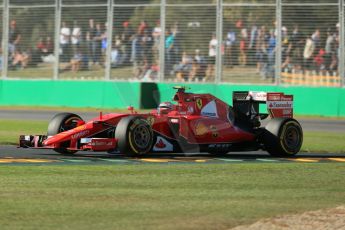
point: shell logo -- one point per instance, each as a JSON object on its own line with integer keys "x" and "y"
{"x": 201, "y": 129}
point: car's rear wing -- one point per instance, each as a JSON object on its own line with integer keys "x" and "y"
{"x": 278, "y": 104}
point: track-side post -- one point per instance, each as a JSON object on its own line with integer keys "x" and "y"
{"x": 278, "y": 58}
{"x": 5, "y": 25}
{"x": 109, "y": 39}
{"x": 56, "y": 40}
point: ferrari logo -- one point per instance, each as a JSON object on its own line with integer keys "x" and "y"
{"x": 199, "y": 103}
{"x": 214, "y": 131}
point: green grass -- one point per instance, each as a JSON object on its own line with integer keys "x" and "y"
{"x": 11, "y": 129}
{"x": 313, "y": 141}
{"x": 212, "y": 196}
{"x": 324, "y": 142}
{"x": 163, "y": 196}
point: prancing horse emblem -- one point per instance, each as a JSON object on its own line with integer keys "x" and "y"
{"x": 199, "y": 103}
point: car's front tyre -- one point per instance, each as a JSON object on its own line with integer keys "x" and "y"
{"x": 62, "y": 122}
{"x": 134, "y": 136}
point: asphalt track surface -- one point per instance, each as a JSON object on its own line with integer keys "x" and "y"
{"x": 14, "y": 156}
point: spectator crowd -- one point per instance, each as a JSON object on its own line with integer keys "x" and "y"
{"x": 302, "y": 52}
{"x": 138, "y": 46}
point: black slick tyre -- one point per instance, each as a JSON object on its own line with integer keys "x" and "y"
{"x": 62, "y": 122}
{"x": 134, "y": 136}
{"x": 283, "y": 137}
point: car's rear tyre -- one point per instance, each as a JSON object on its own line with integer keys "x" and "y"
{"x": 134, "y": 136}
{"x": 283, "y": 137}
{"x": 62, "y": 122}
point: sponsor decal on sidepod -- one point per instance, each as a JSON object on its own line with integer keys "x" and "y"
{"x": 162, "y": 145}
{"x": 210, "y": 110}
{"x": 200, "y": 129}
{"x": 81, "y": 134}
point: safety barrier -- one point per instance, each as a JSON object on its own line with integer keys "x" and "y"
{"x": 320, "y": 101}
{"x": 97, "y": 94}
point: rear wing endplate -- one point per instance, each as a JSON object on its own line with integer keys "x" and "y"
{"x": 278, "y": 104}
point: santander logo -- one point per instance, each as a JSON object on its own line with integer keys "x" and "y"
{"x": 162, "y": 145}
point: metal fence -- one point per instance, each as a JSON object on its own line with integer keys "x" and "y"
{"x": 235, "y": 41}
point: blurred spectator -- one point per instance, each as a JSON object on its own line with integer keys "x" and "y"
{"x": 156, "y": 34}
{"x": 337, "y": 39}
{"x": 126, "y": 42}
{"x": 316, "y": 38}
{"x": 76, "y": 60}
{"x": 47, "y": 53}
{"x": 176, "y": 48}
{"x": 271, "y": 50}
{"x": 83, "y": 50}
{"x": 252, "y": 44}
{"x": 19, "y": 60}
{"x": 212, "y": 53}
{"x": 331, "y": 63}
{"x": 330, "y": 46}
{"x": 79, "y": 61}
{"x": 330, "y": 51}
{"x": 65, "y": 35}
{"x": 287, "y": 65}
{"x": 14, "y": 37}
{"x": 253, "y": 36}
{"x": 135, "y": 47}
{"x": 285, "y": 43}
{"x": 199, "y": 67}
{"x": 76, "y": 37}
{"x": 169, "y": 44}
{"x": 229, "y": 47}
{"x": 261, "y": 51}
{"x": 115, "y": 57}
{"x": 319, "y": 61}
{"x": 89, "y": 37}
{"x": 104, "y": 42}
{"x": 308, "y": 53}
{"x": 296, "y": 47}
{"x": 183, "y": 69}
{"x": 45, "y": 47}
{"x": 49, "y": 45}
{"x": 243, "y": 47}
{"x": 97, "y": 38}
{"x": 146, "y": 44}
{"x": 142, "y": 27}
{"x": 41, "y": 46}
{"x": 151, "y": 73}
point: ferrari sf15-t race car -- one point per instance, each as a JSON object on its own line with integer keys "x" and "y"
{"x": 192, "y": 123}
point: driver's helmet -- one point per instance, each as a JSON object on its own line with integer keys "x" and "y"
{"x": 165, "y": 107}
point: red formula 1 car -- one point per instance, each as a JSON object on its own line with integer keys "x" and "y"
{"x": 193, "y": 123}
